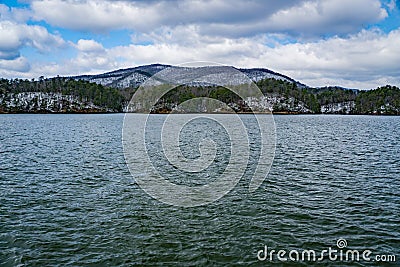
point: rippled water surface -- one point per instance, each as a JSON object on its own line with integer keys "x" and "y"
{"x": 67, "y": 197}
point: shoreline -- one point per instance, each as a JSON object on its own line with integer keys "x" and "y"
{"x": 166, "y": 113}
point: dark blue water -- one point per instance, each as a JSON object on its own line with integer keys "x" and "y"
{"x": 67, "y": 197}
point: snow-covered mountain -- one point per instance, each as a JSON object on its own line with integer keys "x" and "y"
{"x": 133, "y": 77}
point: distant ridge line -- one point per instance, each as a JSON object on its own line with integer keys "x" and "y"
{"x": 135, "y": 76}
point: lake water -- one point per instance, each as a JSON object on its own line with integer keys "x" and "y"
{"x": 68, "y": 198}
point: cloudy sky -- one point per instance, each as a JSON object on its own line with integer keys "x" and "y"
{"x": 351, "y": 43}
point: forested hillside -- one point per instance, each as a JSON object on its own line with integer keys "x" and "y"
{"x": 67, "y": 95}
{"x": 58, "y": 95}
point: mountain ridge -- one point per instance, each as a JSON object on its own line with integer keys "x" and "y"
{"x": 135, "y": 76}
{"x": 112, "y": 92}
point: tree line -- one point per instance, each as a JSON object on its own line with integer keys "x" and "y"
{"x": 85, "y": 91}
{"x": 382, "y": 100}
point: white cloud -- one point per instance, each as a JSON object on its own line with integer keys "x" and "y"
{"x": 14, "y": 14}
{"x": 364, "y": 60}
{"x": 98, "y": 16}
{"x": 15, "y": 34}
{"x": 92, "y": 57}
{"x": 14, "y": 37}
{"x": 221, "y": 18}
{"x": 320, "y": 17}
{"x": 248, "y": 33}
{"x": 19, "y": 64}
{"x": 89, "y": 46}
